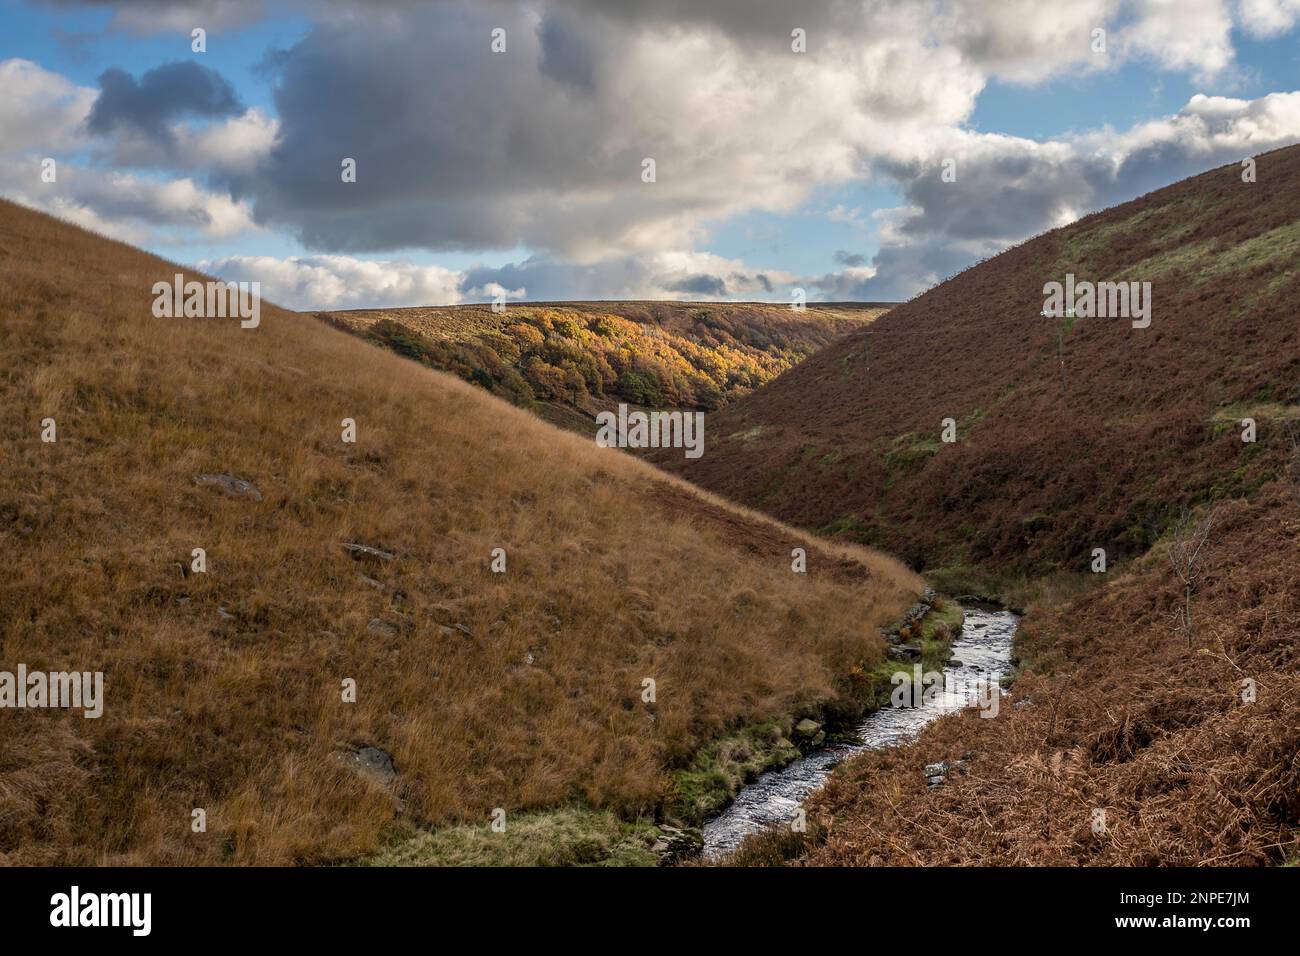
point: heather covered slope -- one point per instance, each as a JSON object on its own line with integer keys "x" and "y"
{"x": 1071, "y": 434}
{"x": 222, "y": 689}
{"x": 1128, "y": 737}
{"x": 567, "y": 361}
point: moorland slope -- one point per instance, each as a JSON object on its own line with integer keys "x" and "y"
{"x": 1071, "y": 433}
{"x": 225, "y": 689}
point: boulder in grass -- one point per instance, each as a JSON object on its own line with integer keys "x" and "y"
{"x": 371, "y": 762}
{"x": 364, "y": 552}
{"x": 230, "y": 485}
{"x": 381, "y": 627}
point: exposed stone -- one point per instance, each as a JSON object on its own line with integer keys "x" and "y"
{"x": 809, "y": 732}
{"x": 381, "y": 627}
{"x": 904, "y": 652}
{"x": 229, "y": 484}
{"x": 364, "y": 552}
{"x": 913, "y": 615}
{"x": 371, "y": 762}
{"x": 677, "y": 843}
{"x": 937, "y": 769}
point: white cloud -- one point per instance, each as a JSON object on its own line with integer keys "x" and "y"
{"x": 1191, "y": 35}
{"x": 1009, "y": 188}
{"x": 40, "y": 110}
{"x": 341, "y": 282}
{"x": 1269, "y": 18}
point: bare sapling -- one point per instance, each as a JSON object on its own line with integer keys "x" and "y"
{"x": 1187, "y": 555}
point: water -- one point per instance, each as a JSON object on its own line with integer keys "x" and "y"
{"x": 984, "y": 650}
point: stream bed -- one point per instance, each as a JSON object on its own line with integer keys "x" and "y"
{"x": 980, "y": 656}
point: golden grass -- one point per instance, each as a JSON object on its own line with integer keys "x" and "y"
{"x": 608, "y": 583}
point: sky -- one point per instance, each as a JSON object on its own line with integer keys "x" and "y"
{"x": 853, "y": 150}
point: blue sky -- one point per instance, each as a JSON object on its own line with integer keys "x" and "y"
{"x": 817, "y": 172}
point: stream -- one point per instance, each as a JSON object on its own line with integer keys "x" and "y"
{"x": 979, "y": 656}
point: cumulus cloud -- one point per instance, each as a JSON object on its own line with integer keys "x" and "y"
{"x": 40, "y": 110}
{"x": 541, "y": 147}
{"x": 674, "y": 274}
{"x": 341, "y": 282}
{"x": 348, "y": 282}
{"x": 1269, "y": 18}
{"x": 1009, "y": 188}
{"x": 460, "y": 148}
{"x": 161, "y": 96}
{"x": 48, "y": 115}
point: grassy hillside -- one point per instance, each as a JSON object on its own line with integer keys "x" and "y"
{"x": 568, "y": 361}
{"x": 519, "y": 690}
{"x": 1072, "y": 434}
{"x": 1075, "y": 434}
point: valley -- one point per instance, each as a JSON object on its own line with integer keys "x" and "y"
{"x": 460, "y": 634}
{"x": 570, "y": 361}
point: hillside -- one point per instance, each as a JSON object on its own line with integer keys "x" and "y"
{"x": 568, "y": 361}
{"x": 1154, "y": 718}
{"x": 1072, "y": 433}
{"x": 224, "y": 691}
{"x": 1191, "y": 748}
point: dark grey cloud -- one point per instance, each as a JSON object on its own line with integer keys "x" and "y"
{"x": 700, "y": 285}
{"x": 845, "y": 258}
{"x": 566, "y": 53}
{"x": 456, "y": 147}
{"x": 160, "y": 97}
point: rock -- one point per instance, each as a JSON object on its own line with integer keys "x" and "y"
{"x": 954, "y": 663}
{"x": 381, "y": 627}
{"x": 677, "y": 843}
{"x": 809, "y": 732}
{"x": 904, "y": 652}
{"x": 371, "y": 762}
{"x": 371, "y": 581}
{"x": 235, "y": 487}
{"x": 936, "y": 780}
{"x": 363, "y": 552}
{"x": 452, "y": 631}
{"x": 937, "y": 769}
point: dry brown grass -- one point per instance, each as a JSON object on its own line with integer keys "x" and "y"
{"x": 610, "y": 580}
